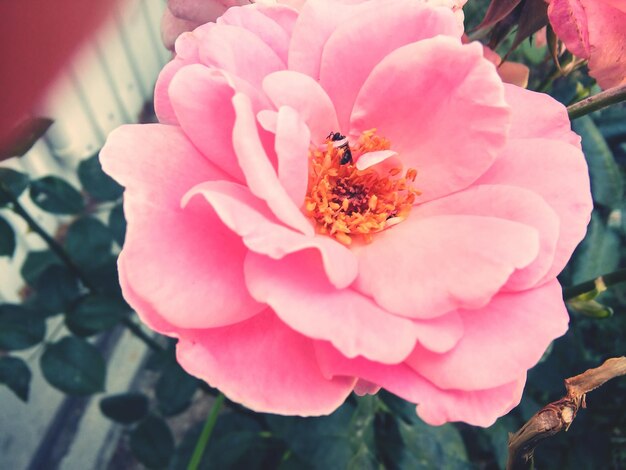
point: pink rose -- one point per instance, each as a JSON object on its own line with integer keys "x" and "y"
{"x": 594, "y": 30}
{"x": 419, "y": 253}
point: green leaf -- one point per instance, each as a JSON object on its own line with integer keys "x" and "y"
{"x": 7, "y": 238}
{"x": 363, "y": 460}
{"x": 96, "y": 313}
{"x": 16, "y": 375}
{"x": 36, "y": 263}
{"x": 88, "y": 242}
{"x": 607, "y": 184}
{"x": 56, "y": 289}
{"x": 125, "y": 408}
{"x": 23, "y": 136}
{"x": 20, "y": 328}
{"x": 117, "y": 224}
{"x": 175, "y": 389}
{"x": 12, "y": 181}
{"x": 97, "y": 183}
{"x": 74, "y": 366}
{"x": 54, "y": 195}
{"x": 599, "y": 253}
{"x": 152, "y": 442}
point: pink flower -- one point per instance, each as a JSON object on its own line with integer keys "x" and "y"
{"x": 594, "y": 30}
{"x": 292, "y": 271}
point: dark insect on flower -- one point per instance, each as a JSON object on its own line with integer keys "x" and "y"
{"x": 341, "y": 142}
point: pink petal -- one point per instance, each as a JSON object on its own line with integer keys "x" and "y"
{"x": 495, "y": 347}
{"x": 162, "y": 105}
{"x": 247, "y": 362}
{"x": 269, "y": 31}
{"x": 260, "y": 175}
{"x": 448, "y": 124}
{"x": 434, "y": 405}
{"x": 537, "y": 115}
{"x": 292, "y": 143}
{"x": 307, "y": 97}
{"x": 569, "y": 20}
{"x": 423, "y": 268}
{"x": 374, "y": 158}
{"x": 249, "y": 218}
{"x": 199, "y": 11}
{"x": 511, "y": 203}
{"x": 185, "y": 263}
{"x": 298, "y": 290}
{"x": 349, "y": 55}
{"x": 533, "y": 164}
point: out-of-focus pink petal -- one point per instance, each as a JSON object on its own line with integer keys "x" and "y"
{"x": 292, "y": 143}
{"x": 569, "y": 20}
{"x": 264, "y": 365}
{"x": 349, "y": 55}
{"x": 199, "y": 11}
{"x": 455, "y": 121}
{"x": 363, "y": 387}
{"x": 423, "y": 268}
{"x": 511, "y": 203}
{"x": 172, "y": 27}
{"x": 533, "y": 164}
{"x": 307, "y": 97}
{"x": 250, "y": 219}
{"x": 434, "y": 405}
{"x": 298, "y": 291}
{"x": 607, "y": 38}
{"x": 507, "y": 336}
{"x": 537, "y": 115}
{"x": 260, "y": 175}
{"x": 203, "y": 259}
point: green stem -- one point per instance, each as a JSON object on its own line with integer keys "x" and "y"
{"x": 209, "y": 424}
{"x": 598, "y": 101}
{"x": 609, "y": 279}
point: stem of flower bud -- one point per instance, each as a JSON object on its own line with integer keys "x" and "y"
{"x": 203, "y": 440}
{"x": 596, "y": 102}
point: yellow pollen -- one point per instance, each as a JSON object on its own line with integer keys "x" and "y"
{"x": 347, "y": 202}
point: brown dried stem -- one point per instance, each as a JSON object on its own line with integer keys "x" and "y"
{"x": 558, "y": 415}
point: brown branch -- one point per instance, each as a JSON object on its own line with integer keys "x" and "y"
{"x": 558, "y": 415}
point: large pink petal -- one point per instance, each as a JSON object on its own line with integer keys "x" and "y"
{"x": 569, "y": 20}
{"x": 423, "y": 268}
{"x": 349, "y": 55}
{"x": 162, "y": 104}
{"x": 292, "y": 142}
{"x": 500, "y": 341}
{"x": 511, "y": 203}
{"x": 264, "y": 365}
{"x": 533, "y": 164}
{"x": 249, "y": 218}
{"x": 434, "y": 405}
{"x": 186, "y": 263}
{"x": 298, "y": 291}
{"x": 258, "y": 170}
{"x": 447, "y": 120}
{"x": 537, "y": 115}
{"x": 307, "y": 97}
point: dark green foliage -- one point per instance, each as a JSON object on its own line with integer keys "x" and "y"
{"x": 74, "y": 366}
{"x": 15, "y": 374}
{"x": 54, "y": 195}
{"x": 94, "y": 313}
{"x": 117, "y": 224}
{"x": 20, "y": 328}
{"x": 125, "y": 408}
{"x": 56, "y": 289}
{"x": 36, "y": 263}
{"x": 13, "y": 182}
{"x": 88, "y": 243}
{"x": 96, "y": 182}
{"x": 7, "y": 238}
{"x": 175, "y": 389}
{"x": 152, "y": 442}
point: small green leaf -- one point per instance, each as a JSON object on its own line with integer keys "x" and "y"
{"x": 23, "y": 136}
{"x": 7, "y": 238}
{"x": 175, "y": 389}
{"x": 590, "y": 308}
{"x": 16, "y": 375}
{"x": 95, "y": 313}
{"x": 88, "y": 242}
{"x": 36, "y": 263}
{"x": 117, "y": 224}
{"x": 12, "y": 181}
{"x": 97, "y": 183}
{"x": 20, "y": 328}
{"x": 599, "y": 253}
{"x": 125, "y": 408}
{"x": 56, "y": 289}
{"x": 74, "y": 366}
{"x": 152, "y": 442}
{"x": 54, "y": 195}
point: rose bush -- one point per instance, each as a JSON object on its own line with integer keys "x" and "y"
{"x": 594, "y": 30}
{"x": 346, "y": 197}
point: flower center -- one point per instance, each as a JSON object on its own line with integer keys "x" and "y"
{"x": 347, "y": 202}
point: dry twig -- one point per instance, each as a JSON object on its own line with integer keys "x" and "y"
{"x": 559, "y": 415}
